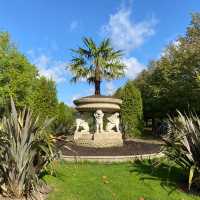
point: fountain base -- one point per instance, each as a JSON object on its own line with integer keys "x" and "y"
{"x": 99, "y": 140}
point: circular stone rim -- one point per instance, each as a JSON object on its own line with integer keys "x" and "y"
{"x": 107, "y": 104}
{"x": 97, "y": 99}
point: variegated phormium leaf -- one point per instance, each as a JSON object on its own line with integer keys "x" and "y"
{"x": 182, "y": 145}
{"x": 24, "y": 152}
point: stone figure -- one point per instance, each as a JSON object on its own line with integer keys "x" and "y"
{"x": 113, "y": 122}
{"x": 83, "y": 124}
{"x": 80, "y": 123}
{"x": 99, "y": 121}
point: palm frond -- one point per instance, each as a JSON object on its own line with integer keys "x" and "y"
{"x": 90, "y": 44}
{"x": 91, "y": 57}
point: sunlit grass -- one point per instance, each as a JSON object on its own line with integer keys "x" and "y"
{"x": 127, "y": 181}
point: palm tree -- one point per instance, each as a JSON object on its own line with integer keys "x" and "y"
{"x": 95, "y": 63}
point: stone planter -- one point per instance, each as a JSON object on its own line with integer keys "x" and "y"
{"x": 98, "y": 105}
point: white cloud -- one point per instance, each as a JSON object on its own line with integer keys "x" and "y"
{"x": 134, "y": 67}
{"x": 50, "y": 68}
{"x": 126, "y": 34}
{"x": 73, "y": 25}
{"x": 90, "y": 91}
{"x": 110, "y": 88}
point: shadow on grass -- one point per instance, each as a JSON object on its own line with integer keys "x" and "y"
{"x": 171, "y": 177}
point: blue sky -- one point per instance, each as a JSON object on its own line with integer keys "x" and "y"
{"x": 46, "y": 30}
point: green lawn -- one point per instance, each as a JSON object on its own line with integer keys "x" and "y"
{"x": 87, "y": 181}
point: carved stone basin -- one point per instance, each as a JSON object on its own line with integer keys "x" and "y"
{"x": 104, "y": 136}
{"x": 107, "y": 104}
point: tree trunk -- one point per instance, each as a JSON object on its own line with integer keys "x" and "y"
{"x": 97, "y": 88}
{"x": 146, "y": 122}
{"x": 153, "y": 125}
{"x": 97, "y": 79}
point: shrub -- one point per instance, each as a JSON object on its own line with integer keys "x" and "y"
{"x": 182, "y": 145}
{"x": 25, "y": 150}
{"x": 131, "y": 109}
{"x": 65, "y": 119}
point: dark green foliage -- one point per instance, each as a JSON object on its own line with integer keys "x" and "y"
{"x": 65, "y": 119}
{"x": 25, "y": 150}
{"x": 131, "y": 109}
{"x": 182, "y": 145}
{"x": 173, "y": 81}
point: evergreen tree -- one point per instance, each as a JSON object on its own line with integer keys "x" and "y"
{"x": 131, "y": 109}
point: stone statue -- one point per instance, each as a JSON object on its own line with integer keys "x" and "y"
{"x": 85, "y": 128}
{"x": 113, "y": 122}
{"x": 99, "y": 121}
{"x": 83, "y": 124}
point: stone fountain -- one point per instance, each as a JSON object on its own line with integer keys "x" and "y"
{"x": 105, "y": 111}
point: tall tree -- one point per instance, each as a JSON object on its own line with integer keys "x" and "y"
{"x": 173, "y": 81}
{"x": 96, "y": 62}
{"x": 131, "y": 109}
{"x": 17, "y": 75}
{"x": 45, "y": 100}
{"x": 19, "y": 79}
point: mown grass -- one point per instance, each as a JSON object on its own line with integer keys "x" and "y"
{"x": 93, "y": 181}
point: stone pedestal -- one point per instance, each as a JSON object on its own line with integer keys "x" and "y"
{"x": 99, "y": 140}
{"x": 98, "y": 105}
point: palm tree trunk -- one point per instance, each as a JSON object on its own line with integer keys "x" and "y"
{"x": 97, "y": 88}
{"x": 97, "y": 79}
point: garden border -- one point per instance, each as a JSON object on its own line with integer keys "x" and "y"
{"x": 111, "y": 159}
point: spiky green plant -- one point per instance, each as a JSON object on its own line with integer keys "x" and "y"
{"x": 25, "y": 150}
{"x": 182, "y": 145}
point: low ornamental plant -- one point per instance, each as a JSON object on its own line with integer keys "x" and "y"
{"x": 182, "y": 145}
{"x": 25, "y": 150}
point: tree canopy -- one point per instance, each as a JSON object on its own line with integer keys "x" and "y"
{"x": 173, "y": 81}
{"x": 96, "y": 62}
{"x": 20, "y": 79}
{"x": 17, "y": 77}
{"x": 131, "y": 109}
{"x": 45, "y": 100}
